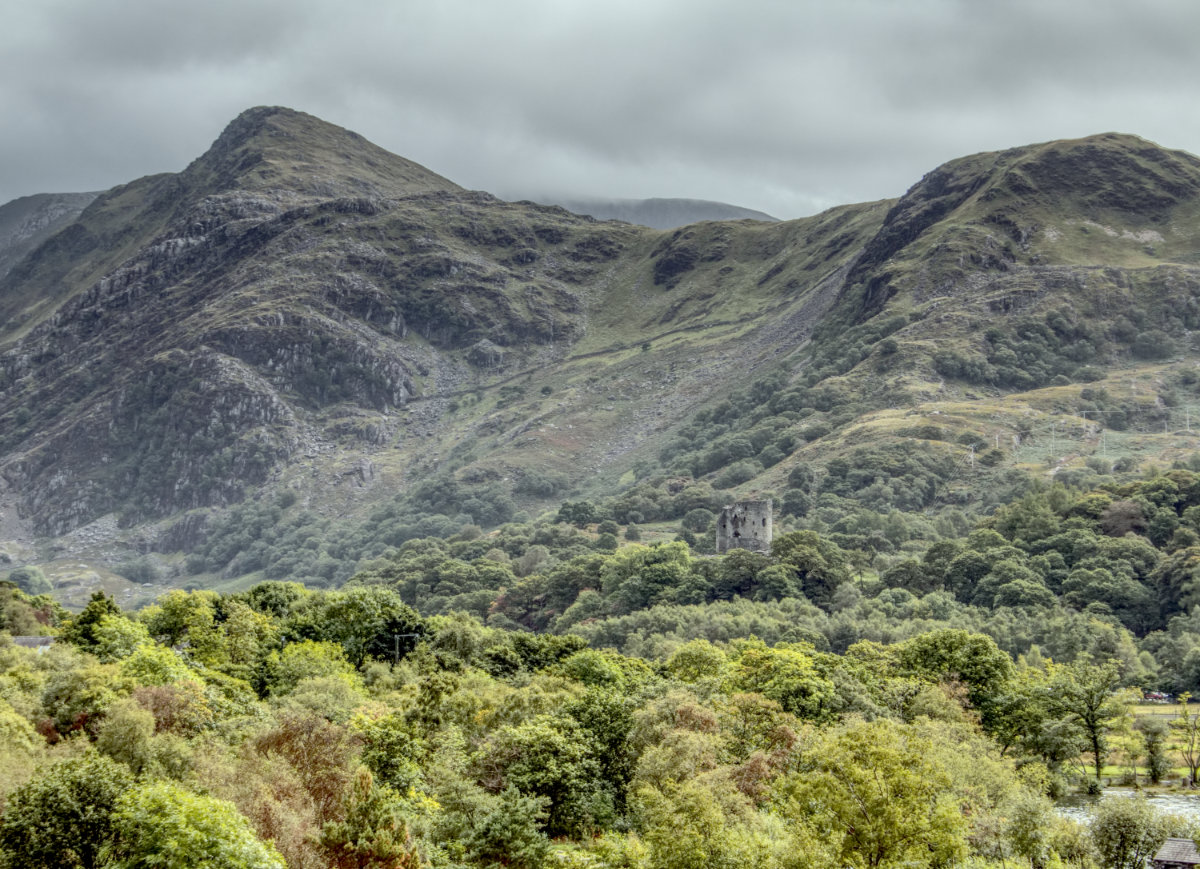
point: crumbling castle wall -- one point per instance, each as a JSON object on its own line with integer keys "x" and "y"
{"x": 745, "y": 525}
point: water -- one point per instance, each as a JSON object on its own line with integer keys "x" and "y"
{"x": 1081, "y": 808}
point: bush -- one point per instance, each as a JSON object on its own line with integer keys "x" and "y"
{"x": 738, "y": 473}
{"x": 30, "y": 580}
{"x": 815, "y": 431}
{"x": 141, "y": 569}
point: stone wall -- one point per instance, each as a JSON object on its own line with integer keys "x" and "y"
{"x": 745, "y": 525}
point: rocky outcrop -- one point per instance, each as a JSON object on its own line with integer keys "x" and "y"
{"x": 27, "y": 222}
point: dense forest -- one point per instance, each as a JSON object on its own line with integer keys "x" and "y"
{"x": 871, "y": 693}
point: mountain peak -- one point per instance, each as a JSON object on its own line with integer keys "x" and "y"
{"x": 276, "y": 147}
{"x": 1108, "y": 172}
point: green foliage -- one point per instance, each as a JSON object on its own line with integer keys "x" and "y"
{"x": 392, "y": 751}
{"x": 1083, "y": 693}
{"x": 81, "y": 629}
{"x": 162, "y": 825}
{"x": 63, "y": 818}
{"x": 117, "y": 637}
{"x": 477, "y": 735}
{"x": 820, "y": 566}
{"x": 1126, "y": 833}
{"x": 510, "y": 834}
{"x": 787, "y": 674}
{"x": 638, "y": 576}
{"x": 956, "y": 655}
{"x": 306, "y": 660}
{"x": 878, "y": 790}
{"x": 22, "y": 615}
{"x": 372, "y": 832}
{"x": 548, "y": 757}
{"x": 30, "y": 580}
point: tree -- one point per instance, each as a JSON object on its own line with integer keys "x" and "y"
{"x": 737, "y": 573}
{"x": 1023, "y": 718}
{"x": 81, "y": 630}
{"x": 307, "y": 660}
{"x": 820, "y": 565}
{"x": 697, "y": 520}
{"x": 320, "y": 752}
{"x": 1187, "y": 729}
{"x": 180, "y": 615}
{"x": 391, "y": 750}
{"x": 160, "y": 825}
{"x": 61, "y": 819}
{"x": 696, "y": 660}
{"x": 876, "y": 788}
{"x": 606, "y": 717}
{"x": 509, "y": 835}
{"x": 1154, "y": 741}
{"x": 30, "y": 580}
{"x": 1126, "y": 833}
{"x": 126, "y": 735}
{"x": 578, "y": 513}
{"x": 547, "y": 756}
{"x": 1083, "y": 692}
{"x": 639, "y": 576}
{"x": 371, "y": 833}
{"x": 152, "y": 664}
{"x": 365, "y": 620}
{"x": 1029, "y": 828}
{"x": 954, "y": 654}
{"x": 118, "y": 637}
{"x": 689, "y": 827}
{"x": 786, "y": 674}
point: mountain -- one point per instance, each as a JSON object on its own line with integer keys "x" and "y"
{"x": 27, "y": 222}
{"x": 302, "y": 349}
{"x": 657, "y": 213}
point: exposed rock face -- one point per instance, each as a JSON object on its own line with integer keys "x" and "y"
{"x": 27, "y": 222}
{"x": 166, "y": 350}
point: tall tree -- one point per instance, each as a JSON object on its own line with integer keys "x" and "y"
{"x": 1186, "y": 726}
{"x": 1083, "y": 692}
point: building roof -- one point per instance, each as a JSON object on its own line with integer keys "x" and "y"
{"x": 1177, "y": 851}
{"x": 33, "y": 642}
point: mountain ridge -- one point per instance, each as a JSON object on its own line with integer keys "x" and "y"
{"x": 300, "y": 312}
{"x": 656, "y": 212}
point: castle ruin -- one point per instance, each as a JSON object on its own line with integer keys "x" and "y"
{"x": 745, "y": 525}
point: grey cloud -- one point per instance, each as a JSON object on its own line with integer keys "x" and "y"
{"x": 782, "y": 106}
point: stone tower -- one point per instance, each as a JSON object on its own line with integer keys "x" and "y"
{"x": 745, "y": 525}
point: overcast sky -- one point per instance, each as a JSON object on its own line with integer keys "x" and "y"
{"x": 787, "y": 107}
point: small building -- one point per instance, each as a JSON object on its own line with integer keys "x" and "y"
{"x": 1176, "y": 854}
{"x": 39, "y": 643}
{"x": 745, "y": 525}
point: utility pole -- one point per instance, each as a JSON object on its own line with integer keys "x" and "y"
{"x": 397, "y": 637}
